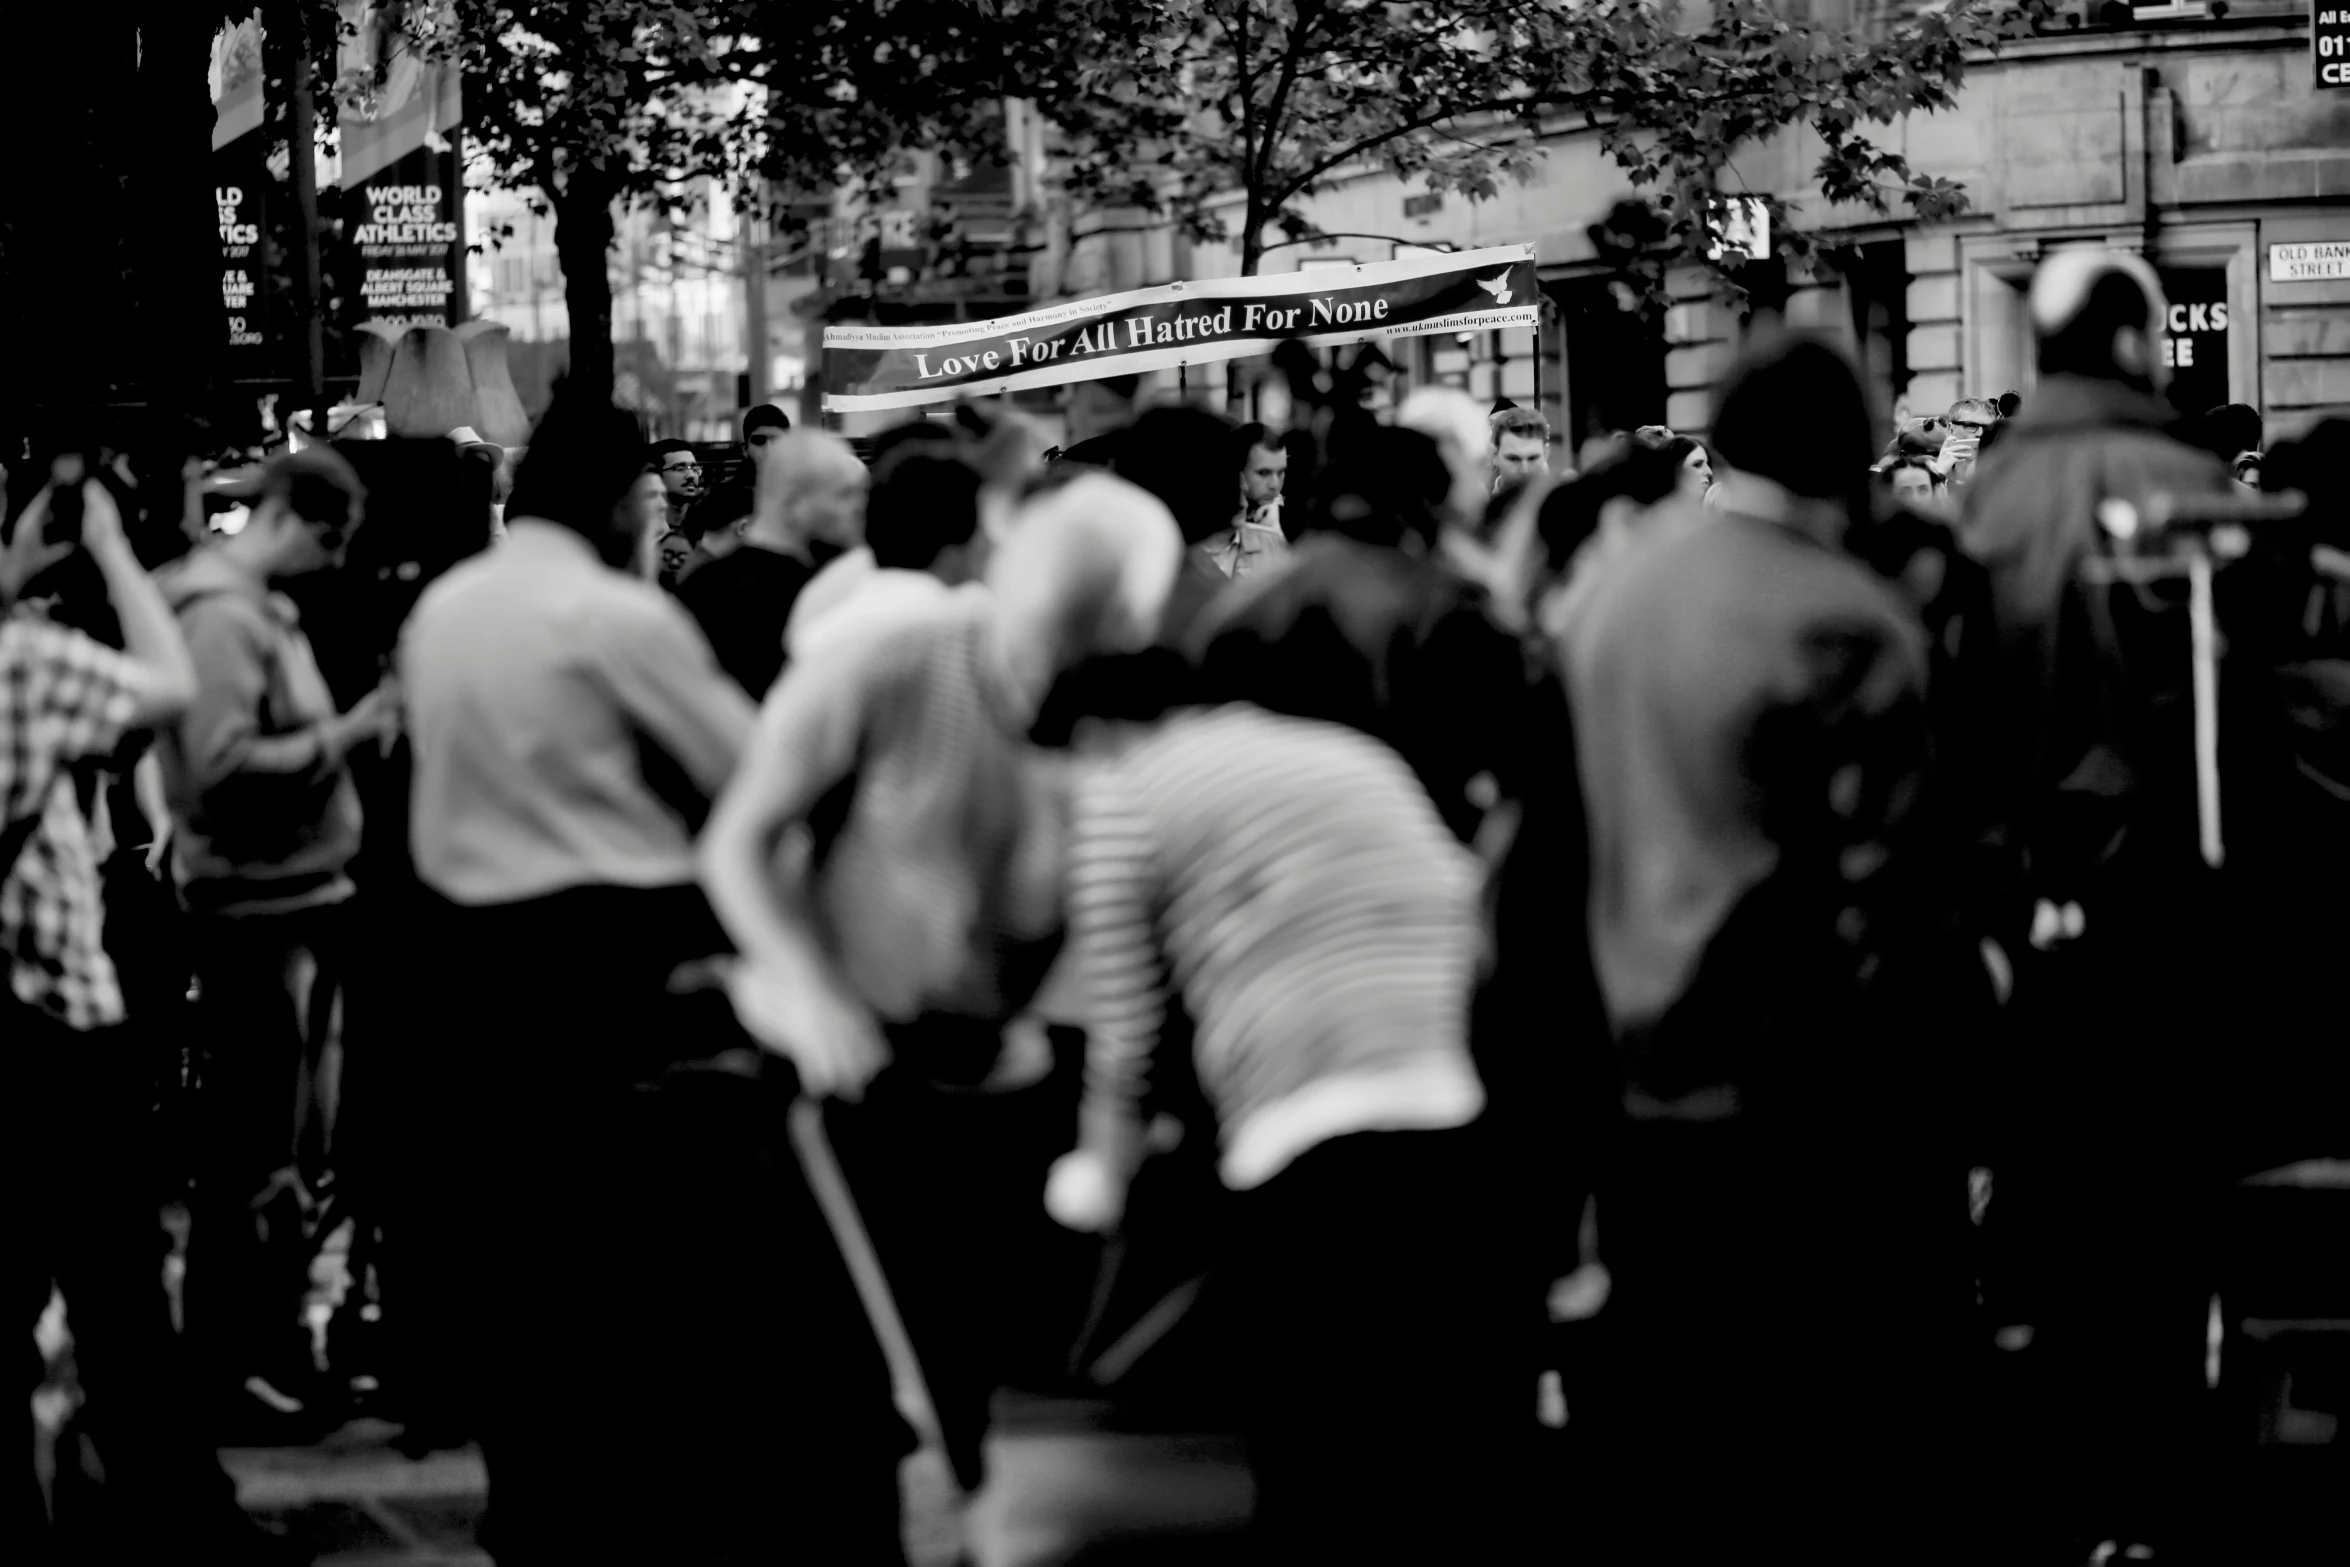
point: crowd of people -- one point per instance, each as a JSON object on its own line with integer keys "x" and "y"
{"x": 1690, "y": 988}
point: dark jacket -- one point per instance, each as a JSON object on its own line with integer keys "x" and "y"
{"x": 2072, "y": 770}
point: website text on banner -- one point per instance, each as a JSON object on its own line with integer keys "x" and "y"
{"x": 868, "y": 368}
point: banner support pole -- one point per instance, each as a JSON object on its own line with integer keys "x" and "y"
{"x": 1537, "y": 331}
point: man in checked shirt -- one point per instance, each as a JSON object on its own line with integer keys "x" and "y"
{"x": 90, "y": 1220}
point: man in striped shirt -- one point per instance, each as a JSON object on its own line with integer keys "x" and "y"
{"x": 1288, "y": 884}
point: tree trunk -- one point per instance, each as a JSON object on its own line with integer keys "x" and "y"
{"x": 1252, "y": 256}
{"x": 302, "y": 174}
{"x": 583, "y": 243}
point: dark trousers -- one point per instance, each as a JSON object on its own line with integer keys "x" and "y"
{"x": 265, "y": 993}
{"x": 950, "y": 1182}
{"x": 1384, "y": 1335}
{"x": 2103, "y": 1220}
{"x": 87, "y": 1216}
{"x": 1787, "y": 1348}
{"x": 614, "y": 1255}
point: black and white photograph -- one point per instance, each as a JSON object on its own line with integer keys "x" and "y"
{"x": 1178, "y": 783}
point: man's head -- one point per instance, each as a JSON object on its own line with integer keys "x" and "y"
{"x": 1087, "y": 571}
{"x": 1972, "y": 416}
{"x": 923, "y": 515}
{"x": 1521, "y": 448}
{"x": 717, "y": 522}
{"x": 1184, "y": 457}
{"x": 1098, "y": 407}
{"x": 1792, "y": 412}
{"x": 762, "y": 425}
{"x": 2098, "y": 314}
{"x": 581, "y": 464}
{"x": 679, "y": 468}
{"x": 2229, "y": 431}
{"x": 1392, "y": 493}
{"x": 935, "y": 433}
{"x": 306, "y": 506}
{"x": 1463, "y": 434}
{"x": 1264, "y": 465}
{"x": 670, "y": 557}
{"x": 811, "y": 492}
{"x": 1912, "y": 480}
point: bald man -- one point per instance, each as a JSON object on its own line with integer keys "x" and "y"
{"x": 2128, "y": 1017}
{"x": 809, "y": 508}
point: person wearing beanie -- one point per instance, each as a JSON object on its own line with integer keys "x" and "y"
{"x": 2090, "y": 775}
{"x": 1751, "y": 730}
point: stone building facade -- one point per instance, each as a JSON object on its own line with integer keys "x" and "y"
{"x": 2201, "y": 140}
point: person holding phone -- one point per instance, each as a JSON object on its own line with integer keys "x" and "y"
{"x": 1970, "y": 419}
{"x": 82, "y": 1124}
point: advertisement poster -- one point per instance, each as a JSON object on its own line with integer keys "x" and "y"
{"x": 870, "y": 367}
{"x": 403, "y": 190}
{"x": 240, "y": 191}
{"x": 404, "y": 229}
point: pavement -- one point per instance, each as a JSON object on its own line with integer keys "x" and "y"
{"x": 1065, "y": 1485}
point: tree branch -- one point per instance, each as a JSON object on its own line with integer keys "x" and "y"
{"x": 1281, "y": 91}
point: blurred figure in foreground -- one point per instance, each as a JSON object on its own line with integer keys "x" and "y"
{"x": 809, "y": 508}
{"x": 889, "y": 862}
{"x": 1750, "y": 717}
{"x": 268, "y": 822}
{"x": 81, "y": 1109}
{"x": 2140, "y": 967}
{"x": 1285, "y": 884}
{"x": 570, "y": 728}
{"x": 923, "y": 533}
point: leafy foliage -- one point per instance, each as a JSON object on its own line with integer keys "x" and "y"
{"x": 1175, "y": 105}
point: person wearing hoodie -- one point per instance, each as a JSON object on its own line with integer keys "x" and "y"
{"x": 266, "y": 822}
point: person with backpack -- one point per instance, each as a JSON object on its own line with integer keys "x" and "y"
{"x": 2124, "y": 1006}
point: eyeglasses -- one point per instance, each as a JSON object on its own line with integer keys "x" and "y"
{"x": 688, "y": 466}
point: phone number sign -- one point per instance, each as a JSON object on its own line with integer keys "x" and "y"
{"x": 2329, "y": 44}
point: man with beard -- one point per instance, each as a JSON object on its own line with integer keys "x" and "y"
{"x": 681, "y": 475}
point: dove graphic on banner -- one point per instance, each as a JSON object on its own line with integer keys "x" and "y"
{"x": 1498, "y": 286}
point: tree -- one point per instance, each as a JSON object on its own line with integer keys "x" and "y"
{"x": 586, "y": 103}
{"x": 1177, "y": 105}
